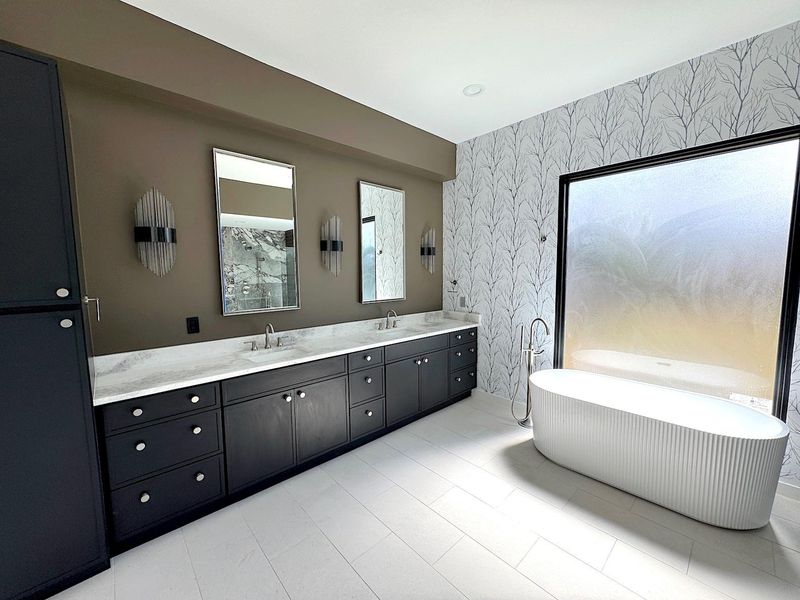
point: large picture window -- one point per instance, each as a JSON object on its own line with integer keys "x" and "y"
{"x": 674, "y": 273}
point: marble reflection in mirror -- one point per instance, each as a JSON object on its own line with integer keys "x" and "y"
{"x": 382, "y": 211}
{"x": 257, "y": 219}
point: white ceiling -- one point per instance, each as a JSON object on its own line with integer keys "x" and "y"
{"x": 411, "y": 58}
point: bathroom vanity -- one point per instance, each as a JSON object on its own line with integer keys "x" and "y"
{"x": 188, "y": 429}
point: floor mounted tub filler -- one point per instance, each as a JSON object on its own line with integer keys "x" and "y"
{"x": 701, "y": 456}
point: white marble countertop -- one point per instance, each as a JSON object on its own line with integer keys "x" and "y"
{"x": 129, "y": 375}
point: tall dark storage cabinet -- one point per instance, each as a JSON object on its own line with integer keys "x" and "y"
{"x": 52, "y": 531}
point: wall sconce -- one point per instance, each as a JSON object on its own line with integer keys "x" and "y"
{"x": 331, "y": 245}
{"x": 154, "y": 232}
{"x": 427, "y": 251}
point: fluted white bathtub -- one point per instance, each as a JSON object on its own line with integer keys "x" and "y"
{"x": 698, "y": 455}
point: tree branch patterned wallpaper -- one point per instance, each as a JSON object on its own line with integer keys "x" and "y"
{"x": 500, "y": 212}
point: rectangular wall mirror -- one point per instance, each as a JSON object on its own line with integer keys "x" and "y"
{"x": 257, "y": 221}
{"x": 382, "y": 211}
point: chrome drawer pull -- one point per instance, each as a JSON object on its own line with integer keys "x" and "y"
{"x": 368, "y": 413}
{"x": 458, "y": 337}
{"x": 472, "y": 333}
{"x": 287, "y": 397}
{"x": 301, "y": 394}
{"x": 425, "y": 360}
{"x": 196, "y": 430}
{"x": 458, "y": 379}
{"x": 137, "y": 412}
{"x": 199, "y": 476}
{"x": 144, "y": 498}
{"x": 368, "y": 358}
{"x": 472, "y": 349}
{"x": 368, "y": 379}
{"x": 472, "y": 374}
{"x": 194, "y": 399}
{"x": 65, "y": 323}
{"x": 62, "y": 292}
{"x": 140, "y": 446}
{"x": 458, "y": 353}
{"x": 418, "y": 362}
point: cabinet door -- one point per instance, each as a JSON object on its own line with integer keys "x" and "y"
{"x": 258, "y": 439}
{"x": 50, "y": 495}
{"x": 433, "y": 379}
{"x": 402, "y": 390}
{"x": 321, "y": 414}
{"x": 36, "y": 240}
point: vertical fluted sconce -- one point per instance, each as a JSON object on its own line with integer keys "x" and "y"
{"x": 154, "y": 232}
{"x": 427, "y": 251}
{"x": 331, "y": 245}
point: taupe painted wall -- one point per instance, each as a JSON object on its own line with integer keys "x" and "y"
{"x": 122, "y": 145}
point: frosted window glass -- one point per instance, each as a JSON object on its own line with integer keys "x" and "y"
{"x": 674, "y": 273}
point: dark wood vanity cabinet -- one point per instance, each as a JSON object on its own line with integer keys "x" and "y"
{"x": 321, "y": 414}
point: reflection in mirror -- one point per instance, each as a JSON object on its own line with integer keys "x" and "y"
{"x": 257, "y": 221}
{"x": 382, "y": 243}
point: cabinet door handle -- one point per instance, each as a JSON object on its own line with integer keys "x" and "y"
{"x": 137, "y": 412}
{"x": 140, "y": 446}
{"x": 199, "y": 476}
{"x": 368, "y": 379}
{"x": 368, "y": 358}
{"x": 472, "y": 374}
{"x": 425, "y": 360}
{"x": 458, "y": 379}
{"x": 194, "y": 399}
{"x": 368, "y": 413}
{"x": 472, "y": 349}
{"x": 287, "y": 397}
{"x": 458, "y": 337}
{"x": 301, "y": 394}
{"x": 196, "y": 430}
{"x": 458, "y": 353}
{"x": 144, "y": 498}
{"x": 65, "y": 323}
{"x": 62, "y": 292}
{"x": 472, "y": 333}
{"x": 418, "y": 362}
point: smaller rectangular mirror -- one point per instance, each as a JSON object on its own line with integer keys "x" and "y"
{"x": 257, "y": 222}
{"x": 382, "y": 216}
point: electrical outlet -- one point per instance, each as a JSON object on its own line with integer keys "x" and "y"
{"x": 462, "y": 301}
{"x": 192, "y": 324}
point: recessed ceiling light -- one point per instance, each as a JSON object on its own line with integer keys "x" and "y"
{"x": 473, "y": 89}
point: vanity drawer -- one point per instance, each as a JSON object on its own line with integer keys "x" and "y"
{"x": 137, "y": 453}
{"x": 122, "y": 415}
{"x": 284, "y": 378}
{"x": 367, "y": 418}
{"x": 144, "y": 504}
{"x": 415, "y": 347}
{"x": 365, "y": 359}
{"x": 366, "y": 385}
{"x": 459, "y": 337}
{"x": 463, "y": 356}
{"x": 463, "y": 381}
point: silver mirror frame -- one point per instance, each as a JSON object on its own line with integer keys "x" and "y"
{"x": 214, "y": 152}
{"x": 361, "y": 242}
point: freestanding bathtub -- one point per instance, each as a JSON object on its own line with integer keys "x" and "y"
{"x": 701, "y": 456}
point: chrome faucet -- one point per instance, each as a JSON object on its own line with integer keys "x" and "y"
{"x": 389, "y": 314}
{"x": 267, "y": 330}
{"x": 533, "y": 330}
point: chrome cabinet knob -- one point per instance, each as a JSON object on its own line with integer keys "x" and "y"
{"x": 458, "y": 337}
{"x": 199, "y": 476}
{"x": 368, "y": 358}
{"x": 472, "y": 333}
{"x": 368, "y": 379}
{"x": 425, "y": 360}
{"x": 194, "y": 399}
{"x": 137, "y": 412}
{"x": 287, "y": 397}
{"x": 368, "y": 413}
{"x": 196, "y": 430}
{"x": 472, "y": 349}
{"x": 62, "y": 292}
{"x": 140, "y": 446}
{"x": 144, "y": 498}
{"x": 418, "y": 362}
{"x": 301, "y": 394}
{"x": 458, "y": 353}
{"x": 458, "y": 379}
{"x": 65, "y": 323}
{"x": 472, "y": 374}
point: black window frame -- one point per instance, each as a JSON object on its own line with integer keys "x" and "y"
{"x": 791, "y": 283}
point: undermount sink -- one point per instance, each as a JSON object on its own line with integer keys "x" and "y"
{"x": 274, "y": 353}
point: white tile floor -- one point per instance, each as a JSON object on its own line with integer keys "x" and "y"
{"x": 456, "y": 505}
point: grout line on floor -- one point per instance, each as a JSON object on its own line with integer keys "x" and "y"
{"x": 269, "y": 562}
{"x": 191, "y": 564}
